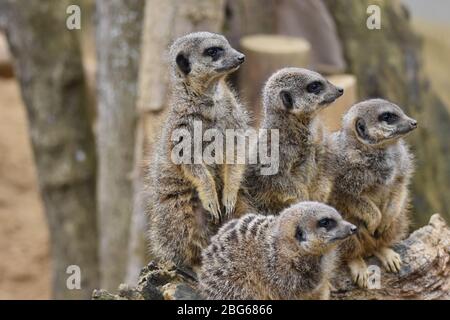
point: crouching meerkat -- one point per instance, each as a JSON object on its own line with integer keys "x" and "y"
{"x": 292, "y": 98}
{"x": 190, "y": 198}
{"x": 373, "y": 167}
{"x": 288, "y": 256}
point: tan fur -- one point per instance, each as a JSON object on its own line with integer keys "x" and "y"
{"x": 190, "y": 201}
{"x": 373, "y": 167}
{"x": 289, "y": 256}
{"x": 302, "y": 153}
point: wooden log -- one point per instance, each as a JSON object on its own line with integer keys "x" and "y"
{"x": 332, "y": 115}
{"x": 266, "y": 54}
{"x": 47, "y": 63}
{"x": 118, "y": 43}
{"x": 425, "y": 274}
{"x": 6, "y": 70}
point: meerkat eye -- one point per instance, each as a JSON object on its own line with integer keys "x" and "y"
{"x": 314, "y": 87}
{"x": 213, "y": 52}
{"x": 327, "y": 223}
{"x": 388, "y": 117}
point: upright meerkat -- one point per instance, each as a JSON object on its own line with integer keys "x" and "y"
{"x": 373, "y": 167}
{"x": 288, "y": 256}
{"x": 191, "y": 198}
{"x": 292, "y": 98}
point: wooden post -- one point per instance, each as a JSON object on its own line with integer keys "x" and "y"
{"x": 332, "y": 115}
{"x": 264, "y": 55}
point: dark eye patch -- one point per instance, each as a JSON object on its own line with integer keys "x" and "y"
{"x": 388, "y": 117}
{"x": 213, "y": 52}
{"x": 315, "y": 87}
{"x": 327, "y": 223}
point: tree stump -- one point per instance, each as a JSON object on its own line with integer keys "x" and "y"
{"x": 332, "y": 115}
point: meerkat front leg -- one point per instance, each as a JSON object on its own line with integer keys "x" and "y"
{"x": 367, "y": 211}
{"x": 232, "y": 181}
{"x": 359, "y": 272}
{"x": 396, "y": 204}
{"x": 390, "y": 259}
{"x": 204, "y": 183}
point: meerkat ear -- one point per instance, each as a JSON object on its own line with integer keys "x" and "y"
{"x": 299, "y": 234}
{"x": 287, "y": 100}
{"x": 361, "y": 129}
{"x": 183, "y": 63}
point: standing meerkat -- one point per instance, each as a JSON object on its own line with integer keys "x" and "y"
{"x": 190, "y": 199}
{"x": 288, "y": 256}
{"x": 373, "y": 167}
{"x": 292, "y": 98}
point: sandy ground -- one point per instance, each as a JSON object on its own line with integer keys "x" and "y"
{"x": 24, "y": 245}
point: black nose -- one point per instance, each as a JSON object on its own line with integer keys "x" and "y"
{"x": 413, "y": 123}
{"x": 353, "y": 229}
{"x": 241, "y": 58}
{"x": 341, "y": 91}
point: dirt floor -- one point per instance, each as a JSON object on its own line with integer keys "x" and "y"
{"x": 24, "y": 245}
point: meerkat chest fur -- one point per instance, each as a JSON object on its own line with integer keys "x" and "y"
{"x": 297, "y": 149}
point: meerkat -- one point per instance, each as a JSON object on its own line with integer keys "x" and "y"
{"x": 292, "y": 98}
{"x": 373, "y": 167}
{"x": 191, "y": 199}
{"x": 288, "y": 256}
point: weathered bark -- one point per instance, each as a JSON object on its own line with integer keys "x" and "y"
{"x": 425, "y": 274}
{"x": 388, "y": 64}
{"x": 48, "y": 66}
{"x": 119, "y": 23}
{"x": 164, "y": 22}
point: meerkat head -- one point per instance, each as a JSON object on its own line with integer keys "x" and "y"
{"x": 201, "y": 57}
{"x": 377, "y": 122}
{"x": 299, "y": 91}
{"x": 311, "y": 228}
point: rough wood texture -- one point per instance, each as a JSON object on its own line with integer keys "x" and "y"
{"x": 332, "y": 115}
{"x": 118, "y": 43}
{"x": 48, "y": 67}
{"x": 425, "y": 274}
{"x": 388, "y": 64}
{"x": 6, "y": 70}
{"x": 164, "y": 22}
{"x": 266, "y": 54}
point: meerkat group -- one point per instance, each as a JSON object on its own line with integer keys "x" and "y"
{"x": 280, "y": 236}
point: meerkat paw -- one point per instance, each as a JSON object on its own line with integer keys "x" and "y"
{"x": 212, "y": 205}
{"x": 359, "y": 272}
{"x": 390, "y": 259}
{"x": 229, "y": 201}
